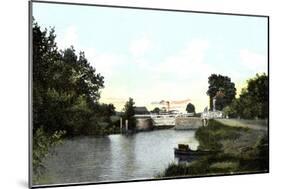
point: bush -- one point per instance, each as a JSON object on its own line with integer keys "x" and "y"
{"x": 42, "y": 143}
{"x": 176, "y": 170}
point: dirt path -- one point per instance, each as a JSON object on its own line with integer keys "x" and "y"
{"x": 252, "y": 124}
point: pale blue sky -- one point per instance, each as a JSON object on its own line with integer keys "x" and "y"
{"x": 159, "y": 55}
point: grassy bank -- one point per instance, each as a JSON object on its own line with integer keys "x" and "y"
{"x": 240, "y": 149}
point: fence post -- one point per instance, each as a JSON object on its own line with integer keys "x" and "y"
{"x": 126, "y": 124}
{"x": 121, "y": 125}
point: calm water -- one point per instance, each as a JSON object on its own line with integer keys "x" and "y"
{"x": 115, "y": 157}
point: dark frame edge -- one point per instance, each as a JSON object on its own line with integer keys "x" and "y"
{"x": 146, "y": 8}
{"x": 268, "y": 73}
{"x": 149, "y": 180}
{"x": 30, "y": 135}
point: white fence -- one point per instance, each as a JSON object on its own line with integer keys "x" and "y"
{"x": 185, "y": 115}
{"x": 212, "y": 115}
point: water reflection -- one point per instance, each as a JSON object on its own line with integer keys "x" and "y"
{"x": 185, "y": 158}
{"x": 116, "y": 157}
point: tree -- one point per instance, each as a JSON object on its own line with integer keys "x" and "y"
{"x": 111, "y": 110}
{"x": 258, "y": 90}
{"x": 65, "y": 86}
{"x": 190, "y": 108}
{"x": 156, "y": 110}
{"x": 232, "y": 110}
{"x": 45, "y": 52}
{"x": 253, "y": 100}
{"x": 106, "y": 110}
{"x": 221, "y": 88}
{"x": 129, "y": 113}
{"x": 65, "y": 94}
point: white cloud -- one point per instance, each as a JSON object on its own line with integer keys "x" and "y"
{"x": 68, "y": 38}
{"x": 105, "y": 62}
{"x": 189, "y": 61}
{"x": 140, "y": 46}
{"x": 253, "y": 61}
{"x": 181, "y": 75}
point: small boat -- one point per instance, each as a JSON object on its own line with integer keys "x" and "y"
{"x": 183, "y": 149}
{"x": 192, "y": 152}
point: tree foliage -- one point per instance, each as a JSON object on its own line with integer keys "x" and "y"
{"x": 156, "y": 110}
{"x": 129, "y": 109}
{"x": 66, "y": 88}
{"x": 190, "y": 108}
{"x": 65, "y": 94}
{"x": 253, "y": 100}
{"x": 223, "y": 89}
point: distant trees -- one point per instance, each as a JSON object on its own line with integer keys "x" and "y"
{"x": 190, "y": 108}
{"x": 253, "y": 100}
{"x": 107, "y": 109}
{"x": 129, "y": 109}
{"x": 221, "y": 88}
{"x": 156, "y": 110}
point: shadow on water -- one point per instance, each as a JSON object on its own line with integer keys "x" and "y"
{"x": 185, "y": 159}
{"x": 116, "y": 157}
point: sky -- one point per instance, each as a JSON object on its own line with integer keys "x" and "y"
{"x": 159, "y": 55}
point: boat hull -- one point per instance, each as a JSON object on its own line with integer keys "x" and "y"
{"x": 192, "y": 152}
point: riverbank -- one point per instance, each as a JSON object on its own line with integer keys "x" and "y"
{"x": 259, "y": 124}
{"x": 242, "y": 150}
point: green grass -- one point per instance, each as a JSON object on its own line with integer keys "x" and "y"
{"x": 240, "y": 150}
{"x": 210, "y": 137}
{"x": 174, "y": 170}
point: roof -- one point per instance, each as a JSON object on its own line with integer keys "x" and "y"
{"x": 141, "y": 110}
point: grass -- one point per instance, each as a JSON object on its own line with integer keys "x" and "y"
{"x": 174, "y": 170}
{"x": 240, "y": 150}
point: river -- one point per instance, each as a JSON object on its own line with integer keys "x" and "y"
{"x": 115, "y": 157}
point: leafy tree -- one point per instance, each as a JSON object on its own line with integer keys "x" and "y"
{"x": 65, "y": 87}
{"x": 221, "y": 88}
{"x": 232, "y": 110}
{"x": 129, "y": 113}
{"x": 258, "y": 90}
{"x": 106, "y": 110}
{"x": 190, "y": 108}
{"x": 45, "y": 52}
{"x": 156, "y": 110}
{"x": 110, "y": 109}
{"x": 65, "y": 94}
{"x": 253, "y": 100}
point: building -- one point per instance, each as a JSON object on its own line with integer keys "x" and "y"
{"x": 141, "y": 110}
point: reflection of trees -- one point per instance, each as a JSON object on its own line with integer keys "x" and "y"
{"x": 80, "y": 160}
{"x": 122, "y": 149}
